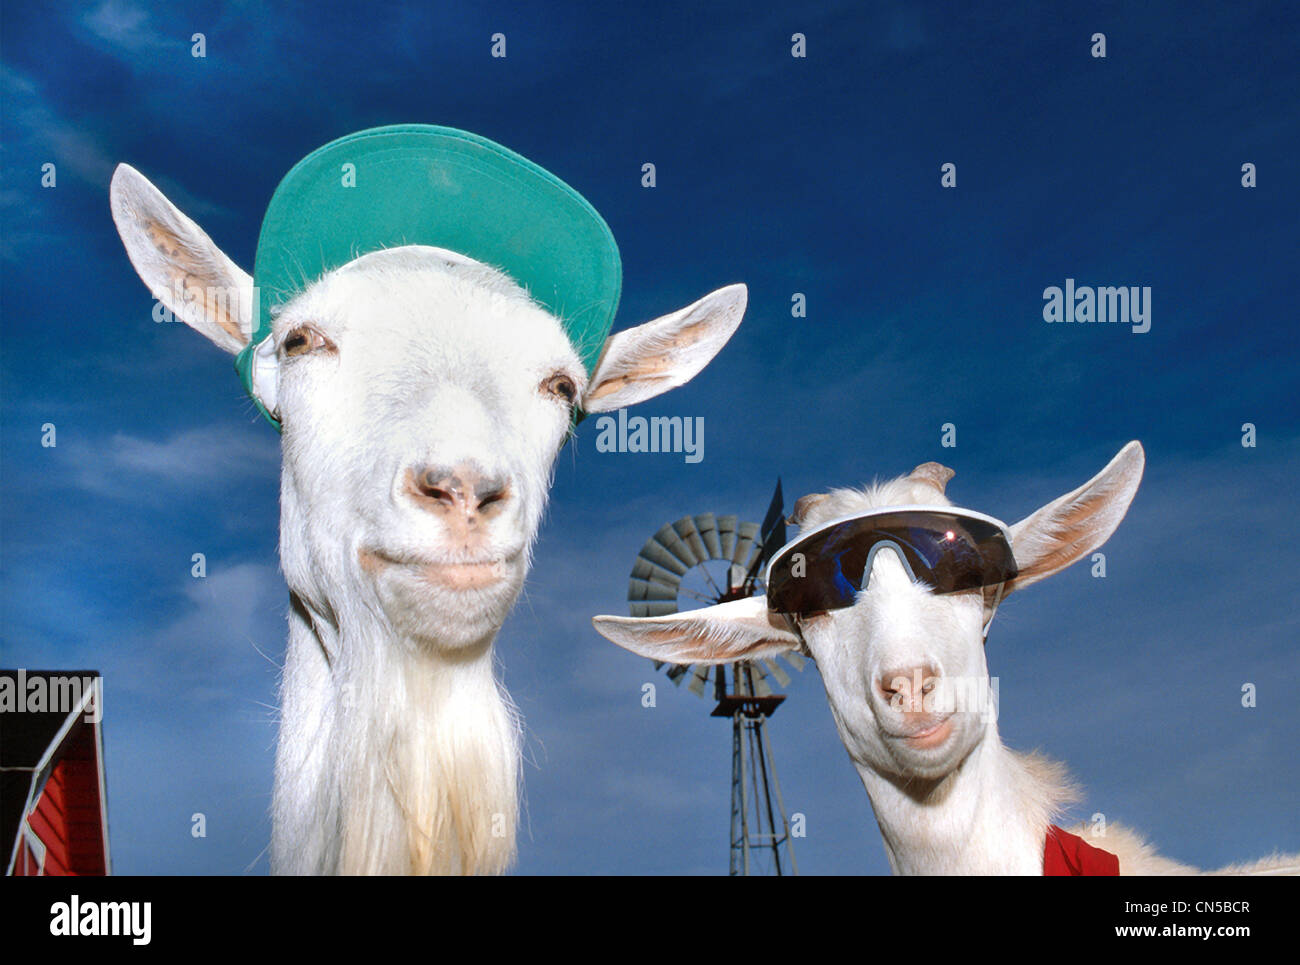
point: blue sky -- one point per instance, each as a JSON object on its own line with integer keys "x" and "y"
{"x": 816, "y": 175}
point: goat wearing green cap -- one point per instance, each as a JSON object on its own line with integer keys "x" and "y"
{"x": 423, "y": 394}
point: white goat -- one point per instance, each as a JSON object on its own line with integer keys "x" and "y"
{"x": 424, "y": 397}
{"x": 949, "y": 797}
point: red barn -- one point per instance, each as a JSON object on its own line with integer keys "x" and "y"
{"x": 53, "y": 806}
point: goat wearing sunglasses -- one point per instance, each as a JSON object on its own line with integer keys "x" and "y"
{"x": 901, "y": 654}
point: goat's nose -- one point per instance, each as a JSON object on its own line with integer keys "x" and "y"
{"x": 462, "y": 490}
{"x": 905, "y": 688}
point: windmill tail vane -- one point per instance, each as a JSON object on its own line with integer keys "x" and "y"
{"x": 771, "y": 534}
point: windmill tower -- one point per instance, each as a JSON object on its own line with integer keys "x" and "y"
{"x": 716, "y": 559}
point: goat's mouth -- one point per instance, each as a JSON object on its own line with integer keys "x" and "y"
{"x": 457, "y": 576}
{"x": 464, "y": 576}
{"x": 927, "y": 734}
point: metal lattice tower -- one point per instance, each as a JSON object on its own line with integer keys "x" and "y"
{"x": 726, "y": 556}
{"x": 760, "y": 830}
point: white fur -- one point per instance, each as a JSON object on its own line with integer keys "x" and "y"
{"x": 967, "y": 804}
{"x": 399, "y": 748}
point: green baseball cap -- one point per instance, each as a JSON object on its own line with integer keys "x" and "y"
{"x": 417, "y": 184}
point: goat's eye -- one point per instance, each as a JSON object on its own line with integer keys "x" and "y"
{"x": 303, "y": 340}
{"x": 562, "y": 387}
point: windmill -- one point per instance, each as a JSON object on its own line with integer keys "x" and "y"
{"x": 716, "y": 559}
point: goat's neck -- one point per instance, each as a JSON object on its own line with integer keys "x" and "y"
{"x": 394, "y": 758}
{"x": 988, "y": 816}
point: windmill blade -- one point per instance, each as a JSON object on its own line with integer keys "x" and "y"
{"x": 735, "y": 576}
{"x": 676, "y": 672}
{"x": 707, "y": 525}
{"x": 651, "y": 598}
{"x": 667, "y": 538}
{"x": 775, "y": 670}
{"x": 727, "y": 535}
{"x": 689, "y": 535}
{"x": 638, "y": 589}
{"x": 652, "y": 609}
{"x": 758, "y": 679}
{"x": 746, "y": 543}
{"x": 795, "y": 659}
{"x": 699, "y": 678}
{"x": 655, "y": 553}
{"x": 657, "y": 574}
{"x": 643, "y": 569}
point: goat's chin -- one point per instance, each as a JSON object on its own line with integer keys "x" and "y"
{"x": 933, "y": 755}
{"x": 448, "y": 620}
{"x": 445, "y": 607}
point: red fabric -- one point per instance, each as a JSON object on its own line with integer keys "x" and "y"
{"x": 1068, "y": 854}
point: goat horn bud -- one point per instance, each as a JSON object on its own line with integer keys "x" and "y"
{"x": 802, "y": 506}
{"x": 932, "y": 473}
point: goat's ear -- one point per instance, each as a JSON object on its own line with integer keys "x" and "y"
{"x": 179, "y": 263}
{"x": 1076, "y": 524}
{"x": 640, "y": 363}
{"x": 739, "y": 630}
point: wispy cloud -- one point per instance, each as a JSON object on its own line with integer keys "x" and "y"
{"x": 40, "y": 133}
{"x": 229, "y": 631}
{"x": 125, "y": 26}
{"x": 40, "y": 127}
{"x": 210, "y": 458}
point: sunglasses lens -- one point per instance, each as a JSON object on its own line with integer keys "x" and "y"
{"x": 949, "y": 551}
{"x": 955, "y": 553}
{"x": 824, "y": 574}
